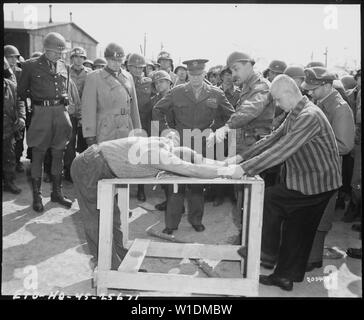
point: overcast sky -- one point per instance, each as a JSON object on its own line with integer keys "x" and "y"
{"x": 288, "y": 32}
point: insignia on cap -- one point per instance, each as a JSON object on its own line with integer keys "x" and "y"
{"x": 195, "y": 63}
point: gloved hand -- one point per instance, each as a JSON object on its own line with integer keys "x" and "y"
{"x": 90, "y": 141}
{"x": 19, "y": 124}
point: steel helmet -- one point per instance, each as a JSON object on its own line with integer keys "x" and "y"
{"x": 161, "y": 75}
{"x": 115, "y": 51}
{"x": 54, "y": 41}
{"x": 164, "y": 55}
{"x": 78, "y": 51}
{"x": 348, "y": 82}
{"x": 237, "y": 57}
{"x": 100, "y": 62}
{"x": 277, "y": 66}
{"x": 136, "y": 60}
{"x": 11, "y": 51}
{"x": 315, "y": 64}
{"x": 180, "y": 66}
{"x": 295, "y": 71}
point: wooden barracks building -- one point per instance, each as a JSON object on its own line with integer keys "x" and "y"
{"x": 30, "y": 38}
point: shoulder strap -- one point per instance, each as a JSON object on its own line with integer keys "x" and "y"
{"x": 121, "y": 82}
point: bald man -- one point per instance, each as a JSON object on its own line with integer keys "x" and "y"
{"x": 306, "y": 146}
{"x": 133, "y": 157}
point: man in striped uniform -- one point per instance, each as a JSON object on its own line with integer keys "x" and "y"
{"x": 305, "y": 143}
{"x": 133, "y": 157}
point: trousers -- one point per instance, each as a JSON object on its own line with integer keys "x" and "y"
{"x": 175, "y": 201}
{"x": 290, "y": 221}
{"x": 86, "y": 170}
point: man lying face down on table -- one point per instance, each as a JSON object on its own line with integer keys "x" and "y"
{"x": 134, "y": 157}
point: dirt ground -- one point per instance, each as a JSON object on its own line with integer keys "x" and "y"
{"x": 52, "y": 246}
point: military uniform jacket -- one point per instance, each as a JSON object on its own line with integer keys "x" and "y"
{"x": 13, "y": 109}
{"x": 17, "y": 71}
{"x": 210, "y": 110}
{"x": 38, "y": 82}
{"x": 79, "y": 78}
{"x": 341, "y": 119}
{"x": 255, "y": 108}
{"x": 109, "y": 110}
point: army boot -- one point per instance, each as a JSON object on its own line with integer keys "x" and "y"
{"x": 10, "y": 186}
{"x": 37, "y": 199}
{"x": 57, "y": 194}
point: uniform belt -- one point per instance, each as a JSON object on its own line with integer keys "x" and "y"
{"x": 48, "y": 103}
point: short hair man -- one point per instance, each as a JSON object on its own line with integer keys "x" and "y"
{"x": 305, "y": 143}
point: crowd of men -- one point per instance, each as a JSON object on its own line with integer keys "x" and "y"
{"x": 298, "y": 127}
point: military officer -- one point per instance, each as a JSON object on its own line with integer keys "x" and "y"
{"x": 149, "y": 68}
{"x": 13, "y": 121}
{"x": 213, "y": 75}
{"x": 12, "y": 55}
{"x": 254, "y": 114}
{"x": 45, "y": 81}
{"x": 109, "y": 104}
{"x": 181, "y": 73}
{"x": 320, "y": 82}
{"x": 275, "y": 68}
{"x": 166, "y": 63}
{"x": 143, "y": 87}
{"x": 193, "y": 105}
{"x": 88, "y": 63}
{"x": 78, "y": 73}
{"x": 99, "y": 63}
{"x": 162, "y": 82}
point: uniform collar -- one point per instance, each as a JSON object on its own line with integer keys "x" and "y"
{"x": 321, "y": 101}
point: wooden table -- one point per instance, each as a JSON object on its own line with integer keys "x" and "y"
{"x": 128, "y": 277}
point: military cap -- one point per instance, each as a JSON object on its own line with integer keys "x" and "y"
{"x": 195, "y": 66}
{"x": 238, "y": 57}
{"x": 78, "y": 51}
{"x": 164, "y": 55}
{"x": 180, "y": 66}
{"x": 100, "y": 62}
{"x": 295, "y": 71}
{"x": 136, "y": 60}
{"x": 54, "y": 41}
{"x": 11, "y": 51}
{"x": 315, "y": 64}
{"x": 36, "y": 54}
{"x": 277, "y": 66}
{"x": 149, "y": 62}
{"x": 348, "y": 82}
{"x": 114, "y": 51}
{"x": 316, "y": 77}
{"x": 161, "y": 75}
{"x": 89, "y": 62}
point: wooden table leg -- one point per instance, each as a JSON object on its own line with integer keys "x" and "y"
{"x": 255, "y": 231}
{"x": 244, "y": 224}
{"x": 106, "y": 204}
{"x": 123, "y": 204}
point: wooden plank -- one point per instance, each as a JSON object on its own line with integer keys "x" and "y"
{"x": 255, "y": 231}
{"x": 244, "y": 224}
{"x": 178, "y": 283}
{"x": 193, "y": 251}
{"x": 123, "y": 204}
{"x": 184, "y": 180}
{"x": 135, "y": 256}
{"x": 106, "y": 195}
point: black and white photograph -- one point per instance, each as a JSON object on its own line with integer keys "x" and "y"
{"x": 181, "y": 150}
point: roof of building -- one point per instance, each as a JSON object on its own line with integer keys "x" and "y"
{"x": 20, "y": 25}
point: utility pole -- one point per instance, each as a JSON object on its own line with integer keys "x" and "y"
{"x": 325, "y": 54}
{"x": 162, "y": 46}
{"x": 145, "y": 44}
{"x": 70, "y": 16}
{"x": 312, "y": 56}
{"x": 50, "y": 14}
